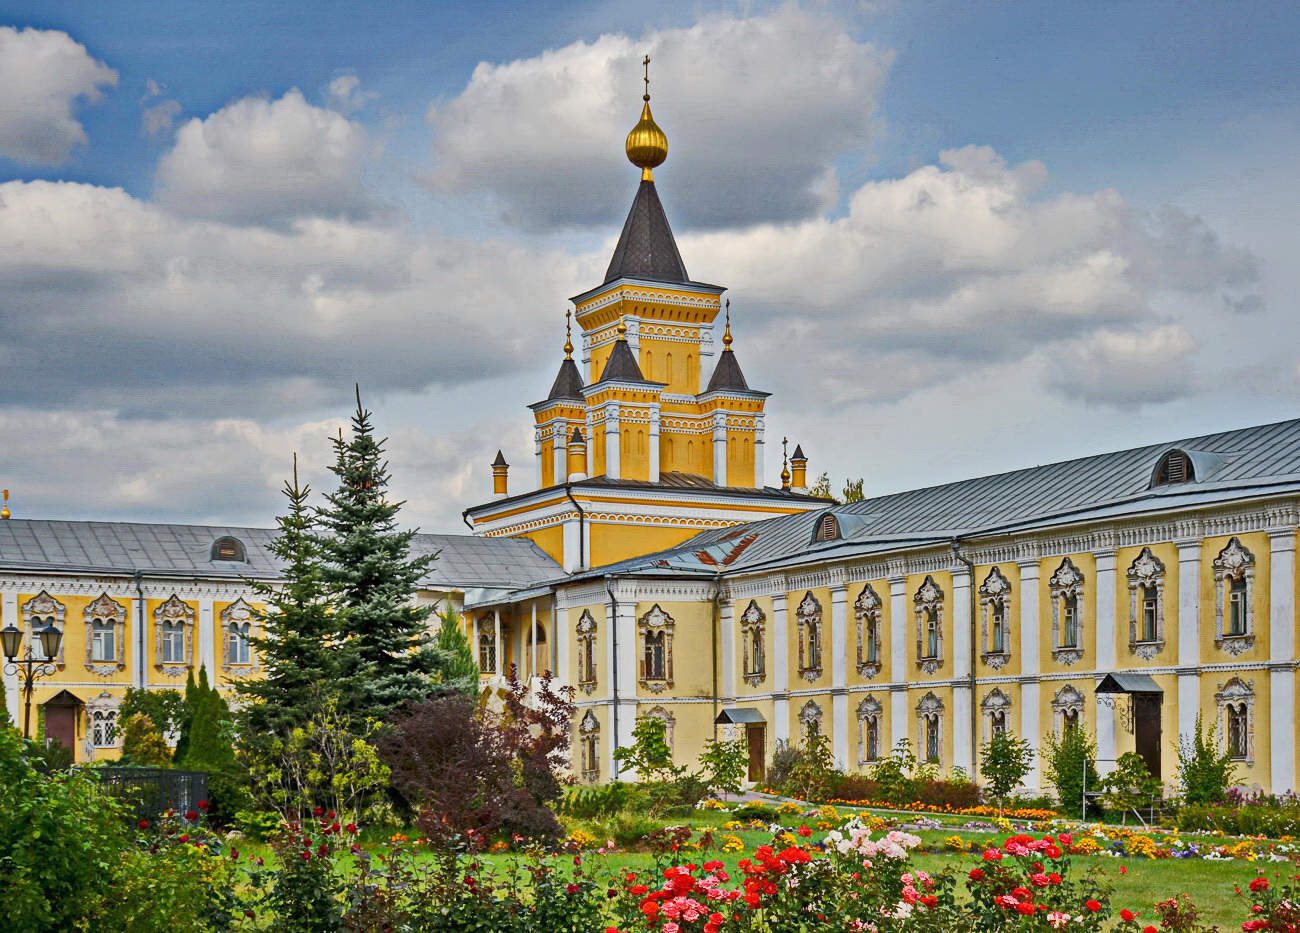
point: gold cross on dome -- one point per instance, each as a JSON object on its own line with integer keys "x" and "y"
{"x": 646, "y": 61}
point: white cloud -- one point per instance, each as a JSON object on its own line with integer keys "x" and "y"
{"x": 1128, "y": 368}
{"x": 755, "y": 108}
{"x": 159, "y": 117}
{"x": 44, "y": 74}
{"x": 345, "y": 94}
{"x": 267, "y": 161}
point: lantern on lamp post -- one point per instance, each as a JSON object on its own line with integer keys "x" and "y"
{"x": 30, "y": 666}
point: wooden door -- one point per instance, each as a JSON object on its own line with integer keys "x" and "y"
{"x": 61, "y": 726}
{"x": 756, "y": 736}
{"x": 1146, "y": 729}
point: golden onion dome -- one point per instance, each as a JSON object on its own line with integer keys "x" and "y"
{"x": 647, "y": 146}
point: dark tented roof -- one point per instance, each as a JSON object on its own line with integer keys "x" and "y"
{"x": 568, "y": 382}
{"x": 727, "y": 374}
{"x": 185, "y": 551}
{"x": 622, "y": 365}
{"x": 646, "y": 248}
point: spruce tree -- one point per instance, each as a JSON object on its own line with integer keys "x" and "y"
{"x": 189, "y": 705}
{"x": 459, "y": 667}
{"x": 372, "y": 578}
{"x": 299, "y": 651}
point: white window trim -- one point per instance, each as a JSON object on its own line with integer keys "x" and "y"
{"x": 929, "y": 708}
{"x": 586, "y": 631}
{"x": 106, "y": 609}
{"x": 994, "y": 591}
{"x": 866, "y": 610}
{"x": 1067, "y": 581}
{"x": 869, "y": 712}
{"x": 754, "y": 664}
{"x": 241, "y": 612}
{"x": 1234, "y": 562}
{"x": 589, "y": 747}
{"x": 808, "y": 623}
{"x": 1235, "y": 692}
{"x": 995, "y": 702}
{"x": 928, "y": 597}
{"x": 656, "y": 622}
{"x": 811, "y": 717}
{"x": 175, "y": 610}
{"x": 1067, "y": 700}
{"x": 44, "y": 606}
{"x": 1146, "y": 570}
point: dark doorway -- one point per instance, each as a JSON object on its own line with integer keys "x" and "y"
{"x": 756, "y": 736}
{"x": 62, "y": 713}
{"x": 1146, "y": 729}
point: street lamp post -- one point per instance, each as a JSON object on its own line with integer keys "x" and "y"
{"x": 11, "y": 640}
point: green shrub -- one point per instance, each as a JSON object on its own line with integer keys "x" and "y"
{"x": 783, "y": 761}
{"x": 895, "y": 775}
{"x": 754, "y": 811}
{"x": 587, "y": 803}
{"x": 1064, "y": 758}
{"x": 628, "y": 830}
{"x": 258, "y": 824}
{"x": 1205, "y": 770}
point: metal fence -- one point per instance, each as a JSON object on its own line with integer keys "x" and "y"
{"x": 147, "y": 792}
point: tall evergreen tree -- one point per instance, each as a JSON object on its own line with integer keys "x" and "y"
{"x": 299, "y": 651}
{"x": 372, "y": 578}
{"x": 188, "y": 707}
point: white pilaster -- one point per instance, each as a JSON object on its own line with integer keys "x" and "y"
{"x": 500, "y": 645}
{"x": 758, "y": 451}
{"x": 207, "y": 637}
{"x": 961, "y": 737}
{"x": 473, "y": 639}
{"x": 624, "y": 624}
{"x": 780, "y": 668}
{"x": 1030, "y": 691}
{"x": 561, "y": 638}
{"x": 720, "y": 448}
{"x": 612, "y": 441}
{"x": 1281, "y": 652}
{"x": 839, "y": 673}
{"x": 531, "y": 641}
{"x": 1104, "y": 646}
{"x": 1189, "y": 633}
{"x": 9, "y": 616}
{"x": 537, "y": 454}
{"x": 573, "y": 535}
{"x": 961, "y": 621}
{"x": 897, "y": 630}
{"x": 654, "y": 444}
{"x": 728, "y": 641}
{"x": 560, "y": 444}
{"x": 898, "y": 716}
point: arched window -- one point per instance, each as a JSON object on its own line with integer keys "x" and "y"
{"x": 869, "y": 713}
{"x": 1066, "y": 587}
{"x": 928, "y": 603}
{"x": 997, "y": 712}
{"x": 173, "y": 624}
{"x": 238, "y": 620}
{"x": 668, "y": 368}
{"x": 995, "y": 601}
{"x": 103, "y": 728}
{"x": 650, "y": 365}
{"x": 228, "y": 548}
{"x": 929, "y": 716}
{"x": 690, "y": 360}
{"x": 105, "y": 628}
{"x": 811, "y": 718}
{"x": 1146, "y": 585}
{"x": 1234, "y": 612}
{"x": 487, "y": 652}
{"x": 238, "y": 642}
{"x": 1068, "y": 708}
{"x": 866, "y": 611}
{"x": 589, "y": 742}
{"x": 809, "y": 621}
{"x": 656, "y": 629}
{"x": 586, "y": 630}
{"x": 1236, "y": 702}
{"x": 753, "y": 651}
{"x": 1174, "y": 467}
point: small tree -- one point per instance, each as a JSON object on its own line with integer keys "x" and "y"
{"x": 534, "y": 727}
{"x": 649, "y": 753}
{"x": 725, "y": 764}
{"x": 814, "y": 770}
{"x": 1205, "y": 771}
{"x": 896, "y": 773}
{"x": 853, "y": 490}
{"x": 211, "y": 748}
{"x": 166, "y": 708}
{"x": 1066, "y": 757}
{"x": 143, "y": 744}
{"x": 1004, "y": 761}
{"x": 1130, "y": 785}
{"x": 821, "y": 487}
{"x": 459, "y": 666}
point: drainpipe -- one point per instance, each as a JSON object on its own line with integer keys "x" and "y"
{"x": 140, "y": 667}
{"x": 464, "y": 517}
{"x": 974, "y": 631}
{"x": 582, "y": 535}
{"x": 613, "y": 674}
{"x": 714, "y": 632}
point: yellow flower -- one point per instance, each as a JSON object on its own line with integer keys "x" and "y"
{"x": 829, "y": 814}
{"x": 789, "y": 808}
{"x": 954, "y": 842}
{"x": 732, "y": 843}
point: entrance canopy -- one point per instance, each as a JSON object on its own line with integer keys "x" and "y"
{"x": 1129, "y": 683}
{"x": 735, "y": 717}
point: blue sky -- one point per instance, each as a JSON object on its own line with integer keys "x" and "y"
{"x": 1113, "y": 246}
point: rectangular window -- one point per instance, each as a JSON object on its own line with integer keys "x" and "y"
{"x": 1070, "y": 622}
{"x": 653, "y": 661}
{"x": 487, "y": 654}
{"x": 173, "y": 643}
{"x": 873, "y": 648}
{"x": 238, "y": 643}
{"x": 932, "y": 738}
{"x": 1150, "y": 601}
{"x": 1237, "y": 607}
{"x": 103, "y": 646}
{"x": 873, "y": 738}
{"x": 1237, "y": 733}
{"x": 997, "y": 633}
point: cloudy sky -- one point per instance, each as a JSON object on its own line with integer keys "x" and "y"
{"x": 959, "y": 237}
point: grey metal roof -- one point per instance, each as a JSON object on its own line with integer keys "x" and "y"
{"x": 568, "y": 382}
{"x": 1096, "y": 487}
{"x": 727, "y": 374}
{"x": 622, "y": 365}
{"x": 646, "y": 248}
{"x": 184, "y": 551}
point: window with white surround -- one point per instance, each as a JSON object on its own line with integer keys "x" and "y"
{"x": 752, "y": 645}
{"x": 173, "y": 629}
{"x": 866, "y": 610}
{"x": 1066, "y": 588}
{"x": 869, "y": 715}
{"x": 103, "y": 728}
{"x": 1236, "y": 703}
{"x": 1146, "y": 588}
{"x": 656, "y": 631}
{"x": 1067, "y": 708}
{"x": 487, "y": 652}
{"x": 929, "y": 722}
{"x": 105, "y": 631}
{"x": 1234, "y": 590}
{"x": 589, "y": 743}
{"x": 41, "y": 611}
{"x": 995, "y": 612}
{"x": 586, "y": 630}
{"x": 997, "y": 712}
{"x": 808, "y": 619}
{"x": 928, "y": 602}
{"x": 237, "y": 624}
{"x": 811, "y": 718}
{"x": 669, "y": 721}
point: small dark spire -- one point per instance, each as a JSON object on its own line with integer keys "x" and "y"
{"x": 577, "y": 437}
{"x": 622, "y": 365}
{"x": 798, "y": 453}
{"x": 568, "y": 382}
{"x": 727, "y": 374}
{"x": 500, "y": 461}
{"x": 646, "y": 247}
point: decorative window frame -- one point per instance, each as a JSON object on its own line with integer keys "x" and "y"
{"x": 105, "y": 608}
{"x": 869, "y": 714}
{"x": 586, "y": 632}
{"x": 44, "y": 606}
{"x": 1146, "y": 570}
{"x": 487, "y": 641}
{"x": 866, "y": 610}
{"x": 1067, "y": 700}
{"x": 929, "y": 709}
{"x": 105, "y": 707}
{"x": 754, "y": 663}
{"x": 928, "y": 598}
{"x": 241, "y": 612}
{"x": 667, "y": 718}
{"x": 996, "y": 702}
{"x": 995, "y": 591}
{"x": 589, "y": 747}
{"x": 655, "y": 622}
{"x": 1067, "y": 581}
{"x": 175, "y": 610}
{"x": 1237, "y": 692}
{"x": 1234, "y": 562}
{"x": 808, "y": 622}
{"x": 811, "y": 717}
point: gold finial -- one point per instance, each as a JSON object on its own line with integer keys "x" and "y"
{"x": 726, "y": 335}
{"x": 4, "y": 512}
{"x": 647, "y": 146}
{"x": 785, "y": 463}
{"x": 568, "y": 336}
{"x": 622, "y": 329}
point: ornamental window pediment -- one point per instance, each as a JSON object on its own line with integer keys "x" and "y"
{"x": 811, "y": 717}
{"x": 869, "y": 714}
{"x": 929, "y": 725}
{"x": 1067, "y": 708}
{"x": 589, "y": 745}
{"x": 587, "y": 666}
{"x": 41, "y": 611}
{"x": 1236, "y": 706}
{"x": 173, "y": 636}
{"x": 996, "y": 707}
{"x": 867, "y": 612}
{"x": 1234, "y": 598}
{"x": 239, "y": 628}
{"x": 995, "y": 619}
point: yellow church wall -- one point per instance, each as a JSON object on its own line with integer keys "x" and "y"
{"x": 1012, "y": 666}
{"x": 550, "y": 539}
{"x": 223, "y": 676}
{"x": 634, "y": 450}
{"x": 612, "y": 542}
{"x": 740, "y": 457}
{"x": 692, "y": 726}
{"x": 943, "y": 579}
{"x": 1166, "y": 553}
{"x": 156, "y": 676}
{"x": 72, "y": 668}
{"x": 1087, "y": 565}
{"x": 605, "y": 740}
{"x": 604, "y": 676}
{"x": 693, "y": 660}
{"x": 794, "y": 632}
{"x": 596, "y": 451}
{"x": 1258, "y": 545}
{"x": 548, "y": 463}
